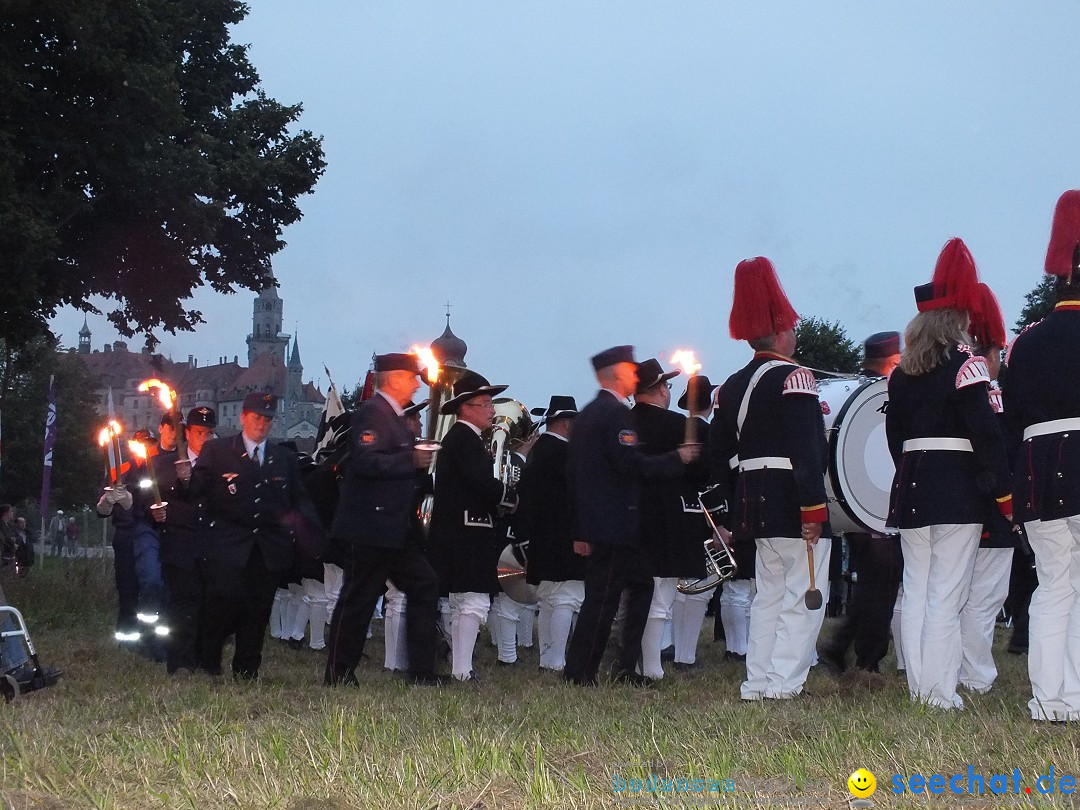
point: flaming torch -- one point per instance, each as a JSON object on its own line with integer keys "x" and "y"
{"x": 169, "y": 401}
{"x": 432, "y": 372}
{"x": 109, "y": 441}
{"x": 690, "y": 366}
{"x": 138, "y": 450}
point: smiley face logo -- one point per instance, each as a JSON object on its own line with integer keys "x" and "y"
{"x": 862, "y": 783}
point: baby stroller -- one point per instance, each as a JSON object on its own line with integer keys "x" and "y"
{"x": 26, "y": 675}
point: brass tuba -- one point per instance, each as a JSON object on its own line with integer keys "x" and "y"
{"x": 510, "y": 430}
{"x": 720, "y": 559}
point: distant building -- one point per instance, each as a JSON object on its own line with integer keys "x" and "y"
{"x": 221, "y": 386}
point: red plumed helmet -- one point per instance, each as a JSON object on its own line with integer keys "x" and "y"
{"x": 956, "y": 281}
{"x": 759, "y": 307}
{"x": 987, "y": 324}
{"x": 1064, "y": 236}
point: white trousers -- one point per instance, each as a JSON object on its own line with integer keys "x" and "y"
{"x": 511, "y": 625}
{"x": 783, "y": 631}
{"x": 688, "y": 614}
{"x": 1054, "y": 631}
{"x": 467, "y": 612}
{"x": 396, "y": 656}
{"x": 311, "y": 611}
{"x": 652, "y": 639}
{"x": 333, "y": 578}
{"x": 978, "y": 616}
{"x": 277, "y": 614}
{"x": 559, "y": 603}
{"x": 895, "y": 628}
{"x": 735, "y": 601}
{"x": 938, "y": 562}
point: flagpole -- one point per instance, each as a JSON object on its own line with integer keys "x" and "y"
{"x": 50, "y": 442}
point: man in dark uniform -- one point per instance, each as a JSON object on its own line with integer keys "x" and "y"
{"x": 1042, "y": 408}
{"x": 182, "y": 531}
{"x": 659, "y": 431}
{"x": 543, "y": 521}
{"x": 256, "y": 507}
{"x": 606, "y": 468}
{"x": 462, "y": 537}
{"x": 768, "y": 425}
{"x": 374, "y": 521}
{"x": 875, "y": 559}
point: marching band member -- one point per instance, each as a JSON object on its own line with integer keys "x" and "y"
{"x": 948, "y": 451}
{"x": 373, "y": 520}
{"x": 543, "y": 521}
{"x": 606, "y": 468}
{"x": 875, "y": 558}
{"x": 660, "y": 431}
{"x": 989, "y": 584}
{"x": 462, "y": 534}
{"x": 183, "y": 545}
{"x": 768, "y": 424}
{"x": 1042, "y": 407}
{"x": 688, "y": 612}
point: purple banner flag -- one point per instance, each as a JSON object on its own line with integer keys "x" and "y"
{"x": 50, "y": 440}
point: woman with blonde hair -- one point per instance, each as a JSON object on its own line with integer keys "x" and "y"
{"x": 949, "y": 456}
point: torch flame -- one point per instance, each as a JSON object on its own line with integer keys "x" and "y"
{"x": 685, "y": 358}
{"x": 104, "y": 437}
{"x": 166, "y": 396}
{"x": 427, "y": 359}
{"x": 116, "y": 428}
{"x": 137, "y": 449}
{"x": 112, "y": 430}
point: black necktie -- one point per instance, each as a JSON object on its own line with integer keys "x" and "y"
{"x": 255, "y": 455}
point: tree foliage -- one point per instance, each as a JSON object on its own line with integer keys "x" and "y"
{"x": 78, "y": 465}
{"x": 1037, "y": 304}
{"x": 824, "y": 345}
{"x": 139, "y": 160}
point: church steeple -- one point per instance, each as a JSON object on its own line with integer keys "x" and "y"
{"x": 294, "y": 358}
{"x": 266, "y": 336}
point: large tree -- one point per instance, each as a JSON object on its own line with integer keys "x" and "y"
{"x": 826, "y": 346}
{"x": 1037, "y": 304}
{"x": 139, "y": 160}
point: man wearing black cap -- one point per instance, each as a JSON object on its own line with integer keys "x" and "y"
{"x": 256, "y": 506}
{"x": 874, "y": 558}
{"x": 182, "y": 531}
{"x": 543, "y": 521}
{"x": 375, "y": 520}
{"x": 462, "y": 535}
{"x": 606, "y": 467}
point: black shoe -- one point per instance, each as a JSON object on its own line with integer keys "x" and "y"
{"x": 471, "y": 678}
{"x": 734, "y": 656}
{"x": 631, "y": 678}
{"x": 680, "y": 666}
{"x": 833, "y": 660}
{"x": 296, "y": 643}
{"x": 246, "y": 676}
{"x": 668, "y": 653}
{"x": 335, "y": 678}
{"x": 502, "y": 663}
{"x": 425, "y": 679}
{"x": 577, "y": 681}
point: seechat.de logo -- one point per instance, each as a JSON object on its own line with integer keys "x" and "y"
{"x": 862, "y": 785}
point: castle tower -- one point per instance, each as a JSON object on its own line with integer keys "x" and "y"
{"x": 266, "y": 337}
{"x": 84, "y": 338}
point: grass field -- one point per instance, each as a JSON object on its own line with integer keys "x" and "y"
{"x": 118, "y": 733}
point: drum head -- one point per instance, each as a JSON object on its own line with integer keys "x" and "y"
{"x": 860, "y": 466}
{"x": 512, "y": 578}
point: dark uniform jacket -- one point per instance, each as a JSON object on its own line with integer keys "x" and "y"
{"x": 462, "y": 537}
{"x": 543, "y": 514}
{"x": 379, "y": 491}
{"x": 183, "y": 532}
{"x": 606, "y": 468}
{"x": 783, "y": 421}
{"x": 934, "y": 487}
{"x": 675, "y": 547}
{"x": 1043, "y": 385}
{"x": 250, "y": 504}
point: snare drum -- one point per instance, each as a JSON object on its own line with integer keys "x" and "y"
{"x": 860, "y": 472}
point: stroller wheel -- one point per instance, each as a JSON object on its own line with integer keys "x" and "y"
{"x": 9, "y": 688}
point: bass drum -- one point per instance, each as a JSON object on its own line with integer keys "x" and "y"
{"x": 860, "y": 472}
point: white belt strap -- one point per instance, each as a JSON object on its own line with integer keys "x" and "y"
{"x": 765, "y": 463}
{"x": 1045, "y": 428}
{"x": 938, "y": 443}
{"x": 744, "y": 406}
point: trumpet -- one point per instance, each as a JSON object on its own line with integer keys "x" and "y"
{"x": 719, "y": 557}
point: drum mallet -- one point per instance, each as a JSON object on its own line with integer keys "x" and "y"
{"x": 812, "y": 598}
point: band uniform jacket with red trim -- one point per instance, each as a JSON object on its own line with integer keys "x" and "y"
{"x": 183, "y": 533}
{"x": 676, "y": 549}
{"x": 606, "y": 469}
{"x": 1042, "y": 384}
{"x": 462, "y": 538}
{"x": 783, "y": 420}
{"x": 249, "y": 504}
{"x": 936, "y": 486}
{"x": 543, "y": 515}
{"x": 380, "y": 486}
